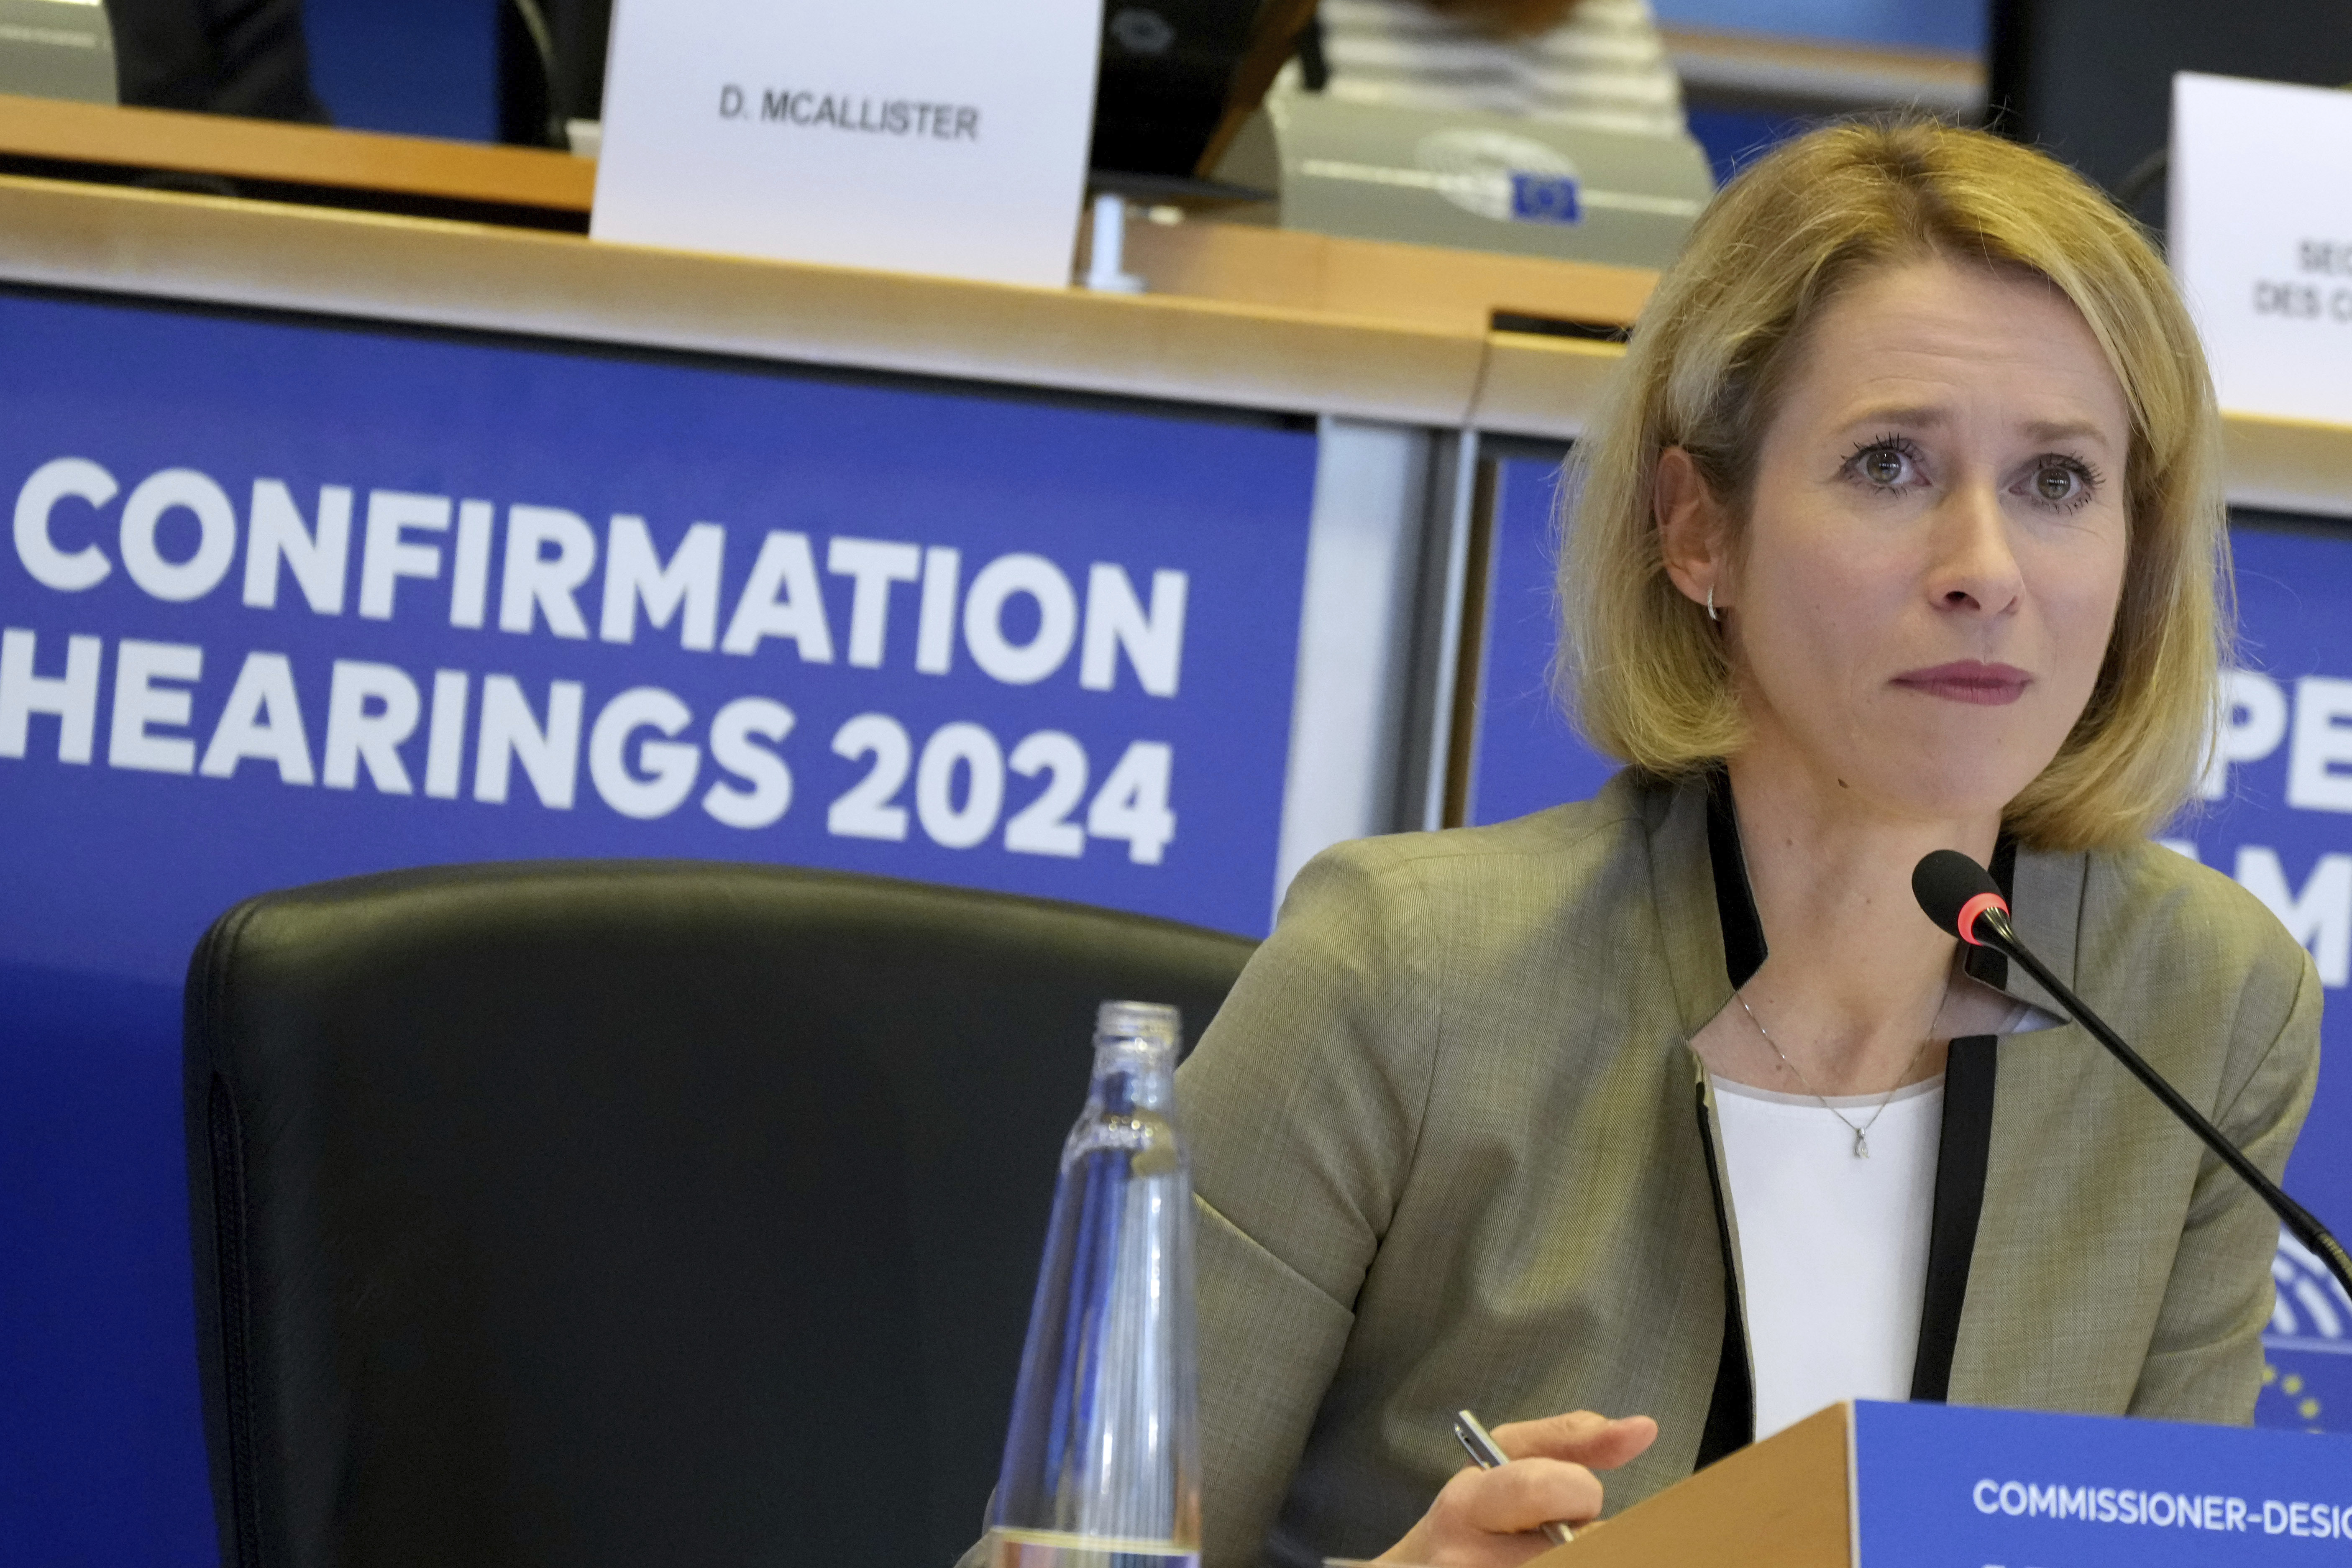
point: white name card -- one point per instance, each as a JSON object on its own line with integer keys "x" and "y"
{"x": 938, "y": 136}
{"x": 2261, "y": 240}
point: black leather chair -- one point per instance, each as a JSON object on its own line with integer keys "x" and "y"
{"x": 632, "y": 1213}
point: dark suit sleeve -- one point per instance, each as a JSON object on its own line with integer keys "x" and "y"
{"x": 215, "y": 57}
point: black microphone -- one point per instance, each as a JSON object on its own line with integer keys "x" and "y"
{"x": 1960, "y": 895}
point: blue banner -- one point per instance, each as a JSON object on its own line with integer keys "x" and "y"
{"x": 2277, "y": 816}
{"x": 355, "y": 600}
{"x": 286, "y": 600}
{"x": 1939, "y": 1487}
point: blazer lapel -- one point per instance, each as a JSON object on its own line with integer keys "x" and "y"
{"x": 1691, "y": 914}
{"x": 2046, "y": 893}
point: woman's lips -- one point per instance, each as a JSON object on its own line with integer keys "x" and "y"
{"x": 1968, "y": 680}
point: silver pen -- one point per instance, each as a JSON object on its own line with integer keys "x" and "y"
{"x": 1487, "y": 1456}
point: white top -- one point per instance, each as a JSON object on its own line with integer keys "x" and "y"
{"x": 1833, "y": 1249}
{"x": 1603, "y": 68}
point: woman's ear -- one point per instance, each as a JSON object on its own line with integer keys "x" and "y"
{"x": 1691, "y": 532}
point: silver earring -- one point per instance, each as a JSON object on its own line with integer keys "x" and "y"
{"x": 1710, "y": 603}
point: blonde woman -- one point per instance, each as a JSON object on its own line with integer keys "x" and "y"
{"x": 1903, "y": 534}
{"x": 1599, "y": 65}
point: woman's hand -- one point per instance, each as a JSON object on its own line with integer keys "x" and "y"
{"x": 1492, "y": 1519}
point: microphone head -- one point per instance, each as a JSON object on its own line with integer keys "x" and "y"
{"x": 1954, "y": 891}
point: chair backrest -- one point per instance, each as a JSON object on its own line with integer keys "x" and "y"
{"x": 632, "y": 1213}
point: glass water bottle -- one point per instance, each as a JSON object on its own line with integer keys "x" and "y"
{"x": 1102, "y": 1460}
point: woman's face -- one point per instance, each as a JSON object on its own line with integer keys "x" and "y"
{"x": 1936, "y": 546}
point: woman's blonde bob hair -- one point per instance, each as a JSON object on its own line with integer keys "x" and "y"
{"x": 1647, "y": 676}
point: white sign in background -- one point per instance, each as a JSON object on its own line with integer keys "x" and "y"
{"x": 2261, "y": 240}
{"x": 935, "y": 136}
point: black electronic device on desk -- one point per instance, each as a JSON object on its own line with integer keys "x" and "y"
{"x": 1524, "y": 185}
{"x": 1179, "y": 78}
{"x": 2090, "y": 81}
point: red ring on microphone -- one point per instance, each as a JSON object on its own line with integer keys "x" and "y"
{"x": 1974, "y": 908}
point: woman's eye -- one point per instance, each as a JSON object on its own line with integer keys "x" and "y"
{"x": 1886, "y": 463}
{"x": 2060, "y": 484}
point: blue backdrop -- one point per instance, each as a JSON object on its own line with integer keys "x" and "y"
{"x": 290, "y": 601}
{"x": 2276, "y": 821}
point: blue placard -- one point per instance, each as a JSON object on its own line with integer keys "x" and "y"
{"x": 285, "y": 601}
{"x": 1946, "y": 1486}
{"x": 2280, "y": 821}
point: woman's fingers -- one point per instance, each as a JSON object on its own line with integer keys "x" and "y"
{"x": 1580, "y": 1436}
{"x": 1525, "y": 1495}
{"x": 1487, "y": 1518}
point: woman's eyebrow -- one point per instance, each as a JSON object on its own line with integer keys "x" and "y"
{"x": 2065, "y": 430}
{"x": 1910, "y": 416}
{"x": 1928, "y": 416}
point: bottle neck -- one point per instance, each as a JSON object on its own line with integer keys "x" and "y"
{"x": 1133, "y": 1073}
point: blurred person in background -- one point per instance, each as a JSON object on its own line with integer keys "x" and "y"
{"x": 1598, "y": 65}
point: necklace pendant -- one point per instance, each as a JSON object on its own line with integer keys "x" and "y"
{"x": 1861, "y": 1144}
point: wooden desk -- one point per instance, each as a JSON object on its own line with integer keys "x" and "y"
{"x": 1237, "y": 314}
{"x": 276, "y": 153}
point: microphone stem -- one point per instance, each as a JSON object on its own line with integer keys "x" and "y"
{"x": 2299, "y": 1221}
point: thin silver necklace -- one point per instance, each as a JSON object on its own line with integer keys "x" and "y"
{"x": 1861, "y": 1131}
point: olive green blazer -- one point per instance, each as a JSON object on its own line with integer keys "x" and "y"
{"x": 1452, "y": 1148}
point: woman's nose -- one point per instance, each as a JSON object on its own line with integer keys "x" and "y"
{"x": 1973, "y": 569}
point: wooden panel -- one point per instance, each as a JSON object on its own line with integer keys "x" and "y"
{"x": 466, "y": 275}
{"x": 295, "y": 155}
{"x": 1543, "y": 386}
{"x": 2291, "y": 465}
{"x": 1423, "y": 285}
{"x": 1780, "y": 1504}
